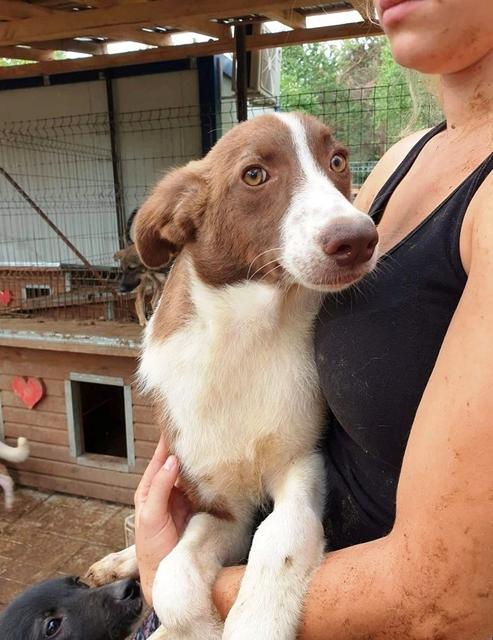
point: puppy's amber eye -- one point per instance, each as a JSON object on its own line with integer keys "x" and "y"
{"x": 338, "y": 163}
{"x": 255, "y": 176}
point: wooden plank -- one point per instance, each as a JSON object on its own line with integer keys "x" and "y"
{"x": 143, "y": 433}
{"x": 79, "y": 23}
{"x": 204, "y": 27}
{"x": 48, "y": 452}
{"x": 195, "y": 25}
{"x": 146, "y": 433}
{"x": 36, "y": 434}
{"x": 76, "y": 471}
{"x": 69, "y": 44}
{"x": 145, "y": 415}
{"x": 56, "y": 366}
{"x": 74, "y": 487}
{"x": 70, "y": 345}
{"x": 135, "y": 34}
{"x": 289, "y": 17}
{"x": 138, "y": 399}
{"x": 24, "y": 53}
{"x": 15, "y": 10}
{"x": 130, "y": 332}
{"x": 35, "y": 418}
{"x": 177, "y": 52}
{"x": 53, "y": 404}
{"x": 144, "y": 450}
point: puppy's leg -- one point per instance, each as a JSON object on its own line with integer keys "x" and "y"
{"x": 181, "y": 592}
{"x": 114, "y": 566}
{"x": 7, "y": 485}
{"x": 286, "y": 548}
{"x": 140, "y": 305}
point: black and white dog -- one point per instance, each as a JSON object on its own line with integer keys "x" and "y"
{"x": 66, "y": 609}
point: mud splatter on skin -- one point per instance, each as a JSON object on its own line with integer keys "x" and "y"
{"x": 479, "y": 102}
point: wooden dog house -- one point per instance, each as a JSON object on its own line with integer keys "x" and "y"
{"x": 92, "y": 432}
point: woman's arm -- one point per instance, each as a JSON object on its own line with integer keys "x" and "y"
{"x": 432, "y": 576}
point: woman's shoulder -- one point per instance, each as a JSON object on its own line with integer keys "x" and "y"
{"x": 384, "y": 168}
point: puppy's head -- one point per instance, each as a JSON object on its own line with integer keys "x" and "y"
{"x": 269, "y": 201}
{"x": 66, "y": 609}
{"x": 131, "y": 266}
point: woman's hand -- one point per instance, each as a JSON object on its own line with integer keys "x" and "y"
{"x": 161, "y": 515}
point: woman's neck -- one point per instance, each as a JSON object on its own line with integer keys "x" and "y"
{"x": 467, "y": 96}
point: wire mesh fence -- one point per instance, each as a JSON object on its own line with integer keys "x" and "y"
{"x": 82, "y": 182}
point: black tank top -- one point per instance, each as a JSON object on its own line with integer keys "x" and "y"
{"x": 376, "y": 345}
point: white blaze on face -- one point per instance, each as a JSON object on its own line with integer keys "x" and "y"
{"x": 315, "y": 205}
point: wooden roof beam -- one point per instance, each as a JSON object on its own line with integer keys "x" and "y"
{"x": 195, "y": 25}
{"x": 202, "y": 26}
{"x": 17, "y": 10}
{"x": 69, "y": 44}
{"x": 63, "y": 24}
{"x": 134, "y": 33}
{"x": 289, "y": 17}
{"x": 25, "y": 53}
{"x": 177, "y": 52}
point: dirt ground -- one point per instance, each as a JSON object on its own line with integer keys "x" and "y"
{"x": 49, "y": 534}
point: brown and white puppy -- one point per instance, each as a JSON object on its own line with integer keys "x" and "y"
{"x": 262, "y": 226}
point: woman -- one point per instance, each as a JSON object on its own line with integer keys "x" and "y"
{"x": 406, "y": 365}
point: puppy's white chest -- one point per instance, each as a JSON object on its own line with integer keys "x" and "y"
{"x": 237, "y": 375}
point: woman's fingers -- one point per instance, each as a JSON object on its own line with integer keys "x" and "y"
{"x": 156, "y": 463}
{"x": 155, "y": 506}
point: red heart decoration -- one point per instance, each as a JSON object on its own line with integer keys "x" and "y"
{"x": 30, "y": 391}
{"x": 5, "y": 297}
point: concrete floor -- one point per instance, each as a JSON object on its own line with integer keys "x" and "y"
{"x": 49, "y": 534}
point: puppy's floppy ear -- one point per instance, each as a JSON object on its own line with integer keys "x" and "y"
{"x": 171, "y": 216}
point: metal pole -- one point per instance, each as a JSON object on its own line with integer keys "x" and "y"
{"x": 51, "y": 224}
{"x": 241, "y": 73}
{"x": 115, "y": 163}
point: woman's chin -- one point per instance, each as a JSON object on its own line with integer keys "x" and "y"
{"x": 431, "y": 55}
{"x": 412, "y": 54}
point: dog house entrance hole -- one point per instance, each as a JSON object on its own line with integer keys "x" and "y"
{"x": 102, "y": 419}
{"x": 100, "y": 422}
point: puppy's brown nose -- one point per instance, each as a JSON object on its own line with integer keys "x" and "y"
{"x": 350, "y": 245}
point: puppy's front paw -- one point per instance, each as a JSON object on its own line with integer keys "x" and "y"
{"x": 112, "y": 567}
{"x": 250, "y": 625}
{"x": 182, "y": 600}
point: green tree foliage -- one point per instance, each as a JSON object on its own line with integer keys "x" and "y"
{"x": 356, "y": 86}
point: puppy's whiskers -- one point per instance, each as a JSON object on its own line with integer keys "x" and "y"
{"x": 278, "y": 266}
{"x": 259, "y": 256}
{"x": 263, "y": 267}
